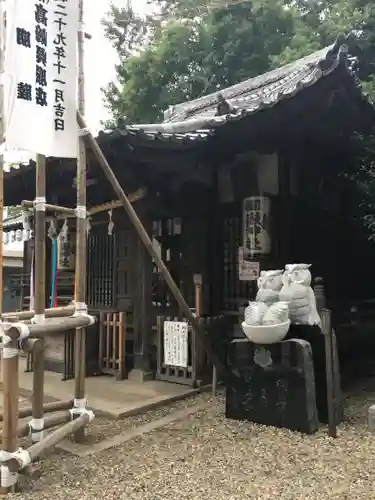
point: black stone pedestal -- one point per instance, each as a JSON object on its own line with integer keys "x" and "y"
{"x": 314, "y": 336}
{"x": 276, "y": 385}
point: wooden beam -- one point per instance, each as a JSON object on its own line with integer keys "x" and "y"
{"x": 51, "y": 327}
{"x": 112, "y": 205}
{"x": 54, "y": 312}
{"x": 48, "y": 408}
{"x": 65, "y": 211}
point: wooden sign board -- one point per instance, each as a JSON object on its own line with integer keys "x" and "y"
{"x": 256, "y": 225}
{"x": 248, "y": 270}
{"x": 176, "y": 343}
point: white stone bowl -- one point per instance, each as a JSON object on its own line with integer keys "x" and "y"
{"x": 266, "y": 334}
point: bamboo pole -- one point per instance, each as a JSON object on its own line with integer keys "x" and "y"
{"x": 10, "y": 404}
{"x": 9, "y": 364}
{"x": 113, "y": 205}
{"x": 49, "y": 422}
{"x": 55, "y": 312}
{"x": 47, "y": 407}
{"x": 80, "y": 275}
{"x": 142, "y": 233}
{"x": 52, "y": 208}
{"x": 50, "y": 441}
{"x": 40, "y": 295}
{"x": 51, "y": 327}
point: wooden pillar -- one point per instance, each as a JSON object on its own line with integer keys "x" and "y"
{"x": 143, "y": 309}
{"x": 284, "y": 211}
{"x": 81, "y": 245}
{"x": 37, "y": 422}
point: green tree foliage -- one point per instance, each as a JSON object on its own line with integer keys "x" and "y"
{"x": 191, "y": 47}
{"x": 188, "y": 49}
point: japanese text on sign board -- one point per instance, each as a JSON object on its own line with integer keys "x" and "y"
{"x": 176, "y": 343}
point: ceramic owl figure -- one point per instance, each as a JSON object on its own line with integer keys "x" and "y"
{"x": 276, "y": 314}
{"x": 297, "y": 292}
{"x": 269, "y": 286}
{"x": 254, "y": 313}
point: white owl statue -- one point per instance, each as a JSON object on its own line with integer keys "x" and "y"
{"x": 269, "y": 286}
{"x": 297, "y": 292}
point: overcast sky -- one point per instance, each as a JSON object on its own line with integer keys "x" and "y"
{"x": 100, "y": 58}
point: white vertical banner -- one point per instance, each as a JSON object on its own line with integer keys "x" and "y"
{"x": 41, "y": 76}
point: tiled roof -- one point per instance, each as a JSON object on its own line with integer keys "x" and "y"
{"x": 11, "y": 222}
{"x": 253, "y": 95}
{"x": 138, "y": 133}
{"x": 264, "y": 90}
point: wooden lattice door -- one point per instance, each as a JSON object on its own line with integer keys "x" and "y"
{"x": 102, "y": 272}
{"x": 235, "y": 292}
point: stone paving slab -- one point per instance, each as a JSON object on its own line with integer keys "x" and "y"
{"x": 107, "y": 396}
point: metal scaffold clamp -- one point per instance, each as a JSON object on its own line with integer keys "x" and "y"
{"x": 40, "y": 204}
{"x": 80, "y": 408}
{"x": 6, "y": 340}
{"x": 81, "y": 212}
{"x": 9, "y": 478}
{"x": 81, "y": 310}
{"x": 36, "y": 428}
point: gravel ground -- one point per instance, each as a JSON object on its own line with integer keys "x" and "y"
{"x": 207, "y": 456}
{"x": 104, "y": 428}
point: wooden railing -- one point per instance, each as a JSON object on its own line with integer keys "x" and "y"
{"x": 113, "y": 329}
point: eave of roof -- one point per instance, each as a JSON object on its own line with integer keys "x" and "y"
{"x": 255, "y": 94}
{"x": 140, "y": 134}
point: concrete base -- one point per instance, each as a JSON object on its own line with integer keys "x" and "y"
{"x": 108, "y": 397}
{"x": 140, "y": 376}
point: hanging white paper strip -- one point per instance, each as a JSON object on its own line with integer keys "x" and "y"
{"x": 41, "y": 76}
{"x": 176, "y": 343}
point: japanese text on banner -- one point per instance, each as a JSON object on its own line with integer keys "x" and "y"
{"x": 41, "y": 71}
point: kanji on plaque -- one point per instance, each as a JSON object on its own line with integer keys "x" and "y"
{"x": 176, "y": 343}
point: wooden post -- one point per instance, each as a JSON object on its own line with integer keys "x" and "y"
{"x": 198, "y": 294}
{"x": 327, "y": 332}
{"x": 196, "y": 349}
{"x": 147, "y": 242}
{"x": 141, "y": 371}
{"x": 80, "y": 275}
{"x": 10, "y": 402}
{"x": 40, "y": 296}
{"x": 319, "y": 294}
{"x": 9, "y": 364}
